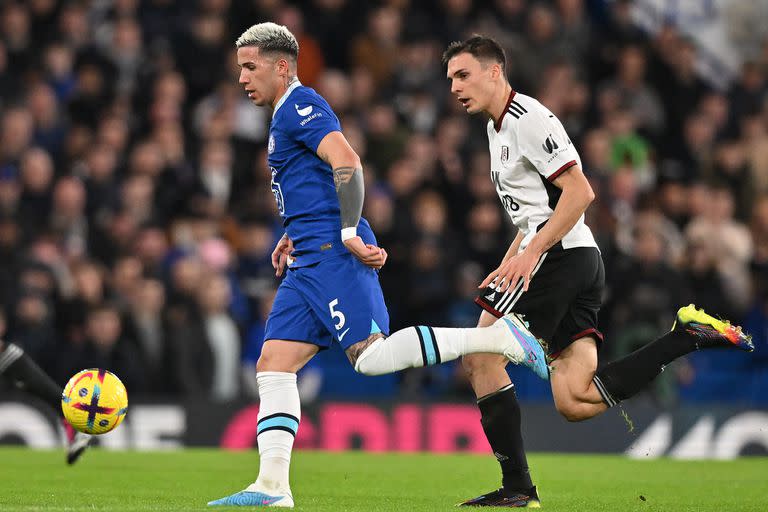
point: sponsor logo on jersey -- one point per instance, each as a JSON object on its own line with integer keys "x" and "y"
{"x": 550, "y": 145}
{"x": 504, "y": 154}
{"x": 308, "y": 119}
{"x": 303, "y": 111}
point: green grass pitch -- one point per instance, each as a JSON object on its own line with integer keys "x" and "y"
{"x": 187, "y": 480}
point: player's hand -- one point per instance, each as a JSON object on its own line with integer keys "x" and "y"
{"x": 368, "y": 254}
{"x": 280, "y": 255}
{"x": 511, "y": 271}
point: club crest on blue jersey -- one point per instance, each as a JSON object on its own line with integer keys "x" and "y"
{"x": 271, "y": 144}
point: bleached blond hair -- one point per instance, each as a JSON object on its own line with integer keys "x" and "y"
{"x": 270, "y": 37}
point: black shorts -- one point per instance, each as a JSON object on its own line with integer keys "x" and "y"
{"x": 563, "y": 297}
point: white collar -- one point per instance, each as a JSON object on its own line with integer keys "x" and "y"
{"x": 285, "y": 95}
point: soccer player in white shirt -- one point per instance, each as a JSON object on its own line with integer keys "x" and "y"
{"x": 552, "y": 273}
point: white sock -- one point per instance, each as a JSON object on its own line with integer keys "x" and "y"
{"x": 278, "y": 422}
{"x": 413, "y": 347}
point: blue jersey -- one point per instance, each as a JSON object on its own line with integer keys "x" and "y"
{"x": 301, "y": 181}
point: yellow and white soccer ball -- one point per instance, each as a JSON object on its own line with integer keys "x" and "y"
{"x": 94, "y": 401}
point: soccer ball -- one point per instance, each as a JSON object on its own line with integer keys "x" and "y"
{"x": 94, "y": 401}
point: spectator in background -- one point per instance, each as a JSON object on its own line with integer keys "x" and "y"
{"x": 99, "y": 175}
{"x": 16, "y": 134}
{"x": 15, "y": 27}
{"x": 633, "y": 91}
{"x": 681, "y": 89}
{"x": 10, "y": 258}
{"x": 201, "y": 53}
{"x": 104, "y": 346}
{"x": 541, "y": 45}
{"x": 93, "y": 91}
{"x": 59, "y": 69}
{"x": 145, "y": 326}
{"x": 9, "y": 81}
{"x": 433, "y": 249}
{"x": 125, "y": 277}
{"x": 311, "y": 62}
{"x": 36, "y": 177}
{"x": 73, "y": 26}
{"x": 705, "y": 280}
{"x": 378, "y": 49}
{"x": 747, "y": 94}
{"x": 645, "y": 292}
{"x": 32, "y": 326}
{"x": 207, "y": 347}
{"x": 68, "y": 220}
{"x": 89, "y": 291}
{"x": 729, "y": 240}
{"x": 151, "y": 247}
{"x": 49, "y": 125}
{"x": 386, "y": 137}
{"x": 256, "y": 240}
{"x": 730, "y": 168}
{"x": 214, "y": 188}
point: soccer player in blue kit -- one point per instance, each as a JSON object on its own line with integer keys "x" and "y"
{"x": 331, "y": 288}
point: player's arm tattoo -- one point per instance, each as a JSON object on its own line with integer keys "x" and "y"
{"x": 350, "y": 189}
{"x": 353, "y": 352}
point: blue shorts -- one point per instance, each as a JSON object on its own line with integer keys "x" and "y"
{"x": 338, "y": 299}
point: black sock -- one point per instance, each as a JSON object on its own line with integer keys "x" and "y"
{"x": 629, "y": 375}
{"x": 20, "y": 368}
{"x": 501, "y": 423}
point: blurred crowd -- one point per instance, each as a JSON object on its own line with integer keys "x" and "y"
{"x": 137, "y": 222}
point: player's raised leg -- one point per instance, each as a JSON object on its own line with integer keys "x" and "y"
{"x": 345, "y": 295}
{"x": 581, "y": 393}
{"x": 422, "y": 345}
{"x": 20, "y": 369}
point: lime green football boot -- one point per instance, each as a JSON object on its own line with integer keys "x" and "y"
{"x": 710, "y": 331}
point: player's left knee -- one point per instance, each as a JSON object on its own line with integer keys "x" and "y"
{"x": 573, "y": 411}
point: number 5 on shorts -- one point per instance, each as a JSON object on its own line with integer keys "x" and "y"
{"x": 338, "y": 315}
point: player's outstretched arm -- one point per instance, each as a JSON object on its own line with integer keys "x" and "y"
{"x": 350, "y": 189}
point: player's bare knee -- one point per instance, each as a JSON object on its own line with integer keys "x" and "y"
{"x": 356, "y": 351}
{"x": 567, "y": 410}
{"x": 265, "y": 362}
{"x": 572, "y": 410}
{"x": 271, "y": 362}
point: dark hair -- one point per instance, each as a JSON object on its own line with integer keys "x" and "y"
{"x": 480, "y": 47}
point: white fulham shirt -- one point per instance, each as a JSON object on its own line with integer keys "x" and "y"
{"x": 529, "y": 150}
